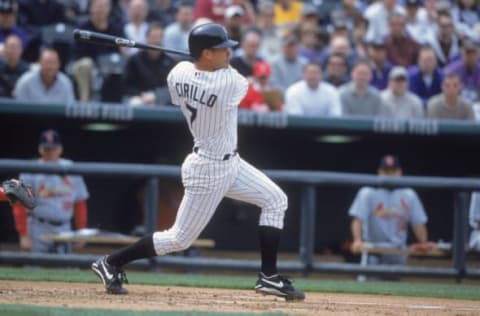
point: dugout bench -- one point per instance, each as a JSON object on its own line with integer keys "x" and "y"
{"x": 98, "y": 237}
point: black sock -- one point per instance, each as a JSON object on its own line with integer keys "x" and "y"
{"x": 141, "y": 249}
{"x": 269, "y": 240}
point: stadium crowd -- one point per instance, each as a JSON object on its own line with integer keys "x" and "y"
{"x": 393, "y": 58}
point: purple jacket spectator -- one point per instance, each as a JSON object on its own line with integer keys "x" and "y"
{"x": 468, "y": 70}
{"x": 380, "y": 76}
{"x": 417, "y": 84}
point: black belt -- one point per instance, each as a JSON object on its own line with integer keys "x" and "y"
{"x": 225, "y": 157}
{"x": 47, "y": 221}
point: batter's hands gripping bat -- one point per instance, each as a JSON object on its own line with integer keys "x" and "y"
{"x": 109, "y": 40}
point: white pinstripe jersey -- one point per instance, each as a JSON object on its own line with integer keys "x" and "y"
{"x": 209, "y": 102}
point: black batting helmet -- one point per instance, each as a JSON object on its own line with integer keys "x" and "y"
{"x": 209, "y": 35}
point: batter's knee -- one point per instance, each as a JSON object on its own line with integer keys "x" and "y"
{"x": 180, "y": 239}
{"x": 172, "y": 240}
{"x": 277, "y": 200}
{"x": 273, "y": 212}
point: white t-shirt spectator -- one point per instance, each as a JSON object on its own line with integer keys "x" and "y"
{"x": 300, "y": 99}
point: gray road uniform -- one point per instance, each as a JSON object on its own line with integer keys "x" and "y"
{"x": 385, "y": 215}
{"x": 56, "y": 197}
{"x": 474, "y": 220}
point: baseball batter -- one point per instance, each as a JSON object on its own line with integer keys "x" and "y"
{"x": 59, "y": 199}
{"x": 208, "y": 92}
{"x": 381, "y": 216}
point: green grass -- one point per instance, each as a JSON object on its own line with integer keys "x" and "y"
{"x": 451, "y": 291}
{"x": 28, "y": 310}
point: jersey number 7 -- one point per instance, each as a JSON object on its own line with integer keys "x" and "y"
{"x": 193, "y": 112}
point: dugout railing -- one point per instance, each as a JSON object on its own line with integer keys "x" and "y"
{"x": 309, "y": 180}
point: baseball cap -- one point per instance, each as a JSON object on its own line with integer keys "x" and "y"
{"x": 8, "y": 6}
{"x": 261, "y": 69}
{"x": 234, "y": 10}
{"x": 50, "y": 139}
{"x": 389, "y": 162}
{"x": 398, "y": 72}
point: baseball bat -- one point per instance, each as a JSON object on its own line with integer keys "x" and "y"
{"x": 109, "y": 40}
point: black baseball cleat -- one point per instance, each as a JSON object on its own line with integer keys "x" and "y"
{"x": 278, "y": 285}
{"x": 111, "y": 276}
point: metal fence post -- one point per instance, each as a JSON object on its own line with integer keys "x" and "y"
{"x": 151, "y": 209}
{"x": 459, "y": 230}
{"x": 151, "y": 205}
{"x": 307, "y": 227}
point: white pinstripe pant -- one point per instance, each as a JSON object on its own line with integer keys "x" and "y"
{"x": 206, "y": 183}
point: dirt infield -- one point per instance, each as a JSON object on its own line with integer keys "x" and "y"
{"x": 142, "y": 297}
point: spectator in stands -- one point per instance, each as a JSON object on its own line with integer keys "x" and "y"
{"x": 250, "y": 15}
{"x": 146, "y": 72}
{"x": 176, "y": 34}
{"x": 474, "y": 220}
{"x": 445, "y": 42}
{"x": 309, "y": 14}
{"x": 8, "y": 18}
{"x": 380, "y": 217}
{"x": 287, "y": 68}
{"x": 340, "y": 29}
{"x": 233, "y": 22}
{"x": 466, "y": 11}
{"x": 86, "y": 54}
{"x": 248, "y": 53}
{"x": 417, "y": 25}
{"x": 270, "y": 45}
{"x": 402, "y": 103}
{"x": 449, "y": 104}
{"x": 340, "y": 45}
{"x": 288, "y": 13}
{"x": 310, "y": 46}
{"x": 136, "y": 29}
{"x": 11, "y": 66}
{"x": 162, "y": 11}
{"x": 401, "y": 49}
{"x": 432, "y": 14}
{"x": 425, "y": 79}
{"x": 311, "y": 97}
{"x": 468, "y": 70}
{"x": 358, "y": 38}
{"x": 213, "y": 10}
{"x": 261, "y": 97}
{"x": 46, "y": 84}
{"x": 60, "y": 198}
{"x": 348, "y": 11}
{"x": 358, "y": 97}
{"x": 378, "y": 14}
{"x": 379, "y": 64}
{"x": 33, "y": 15}
{"x": 336, "y": 70}
{"x": 466, "y": 16}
